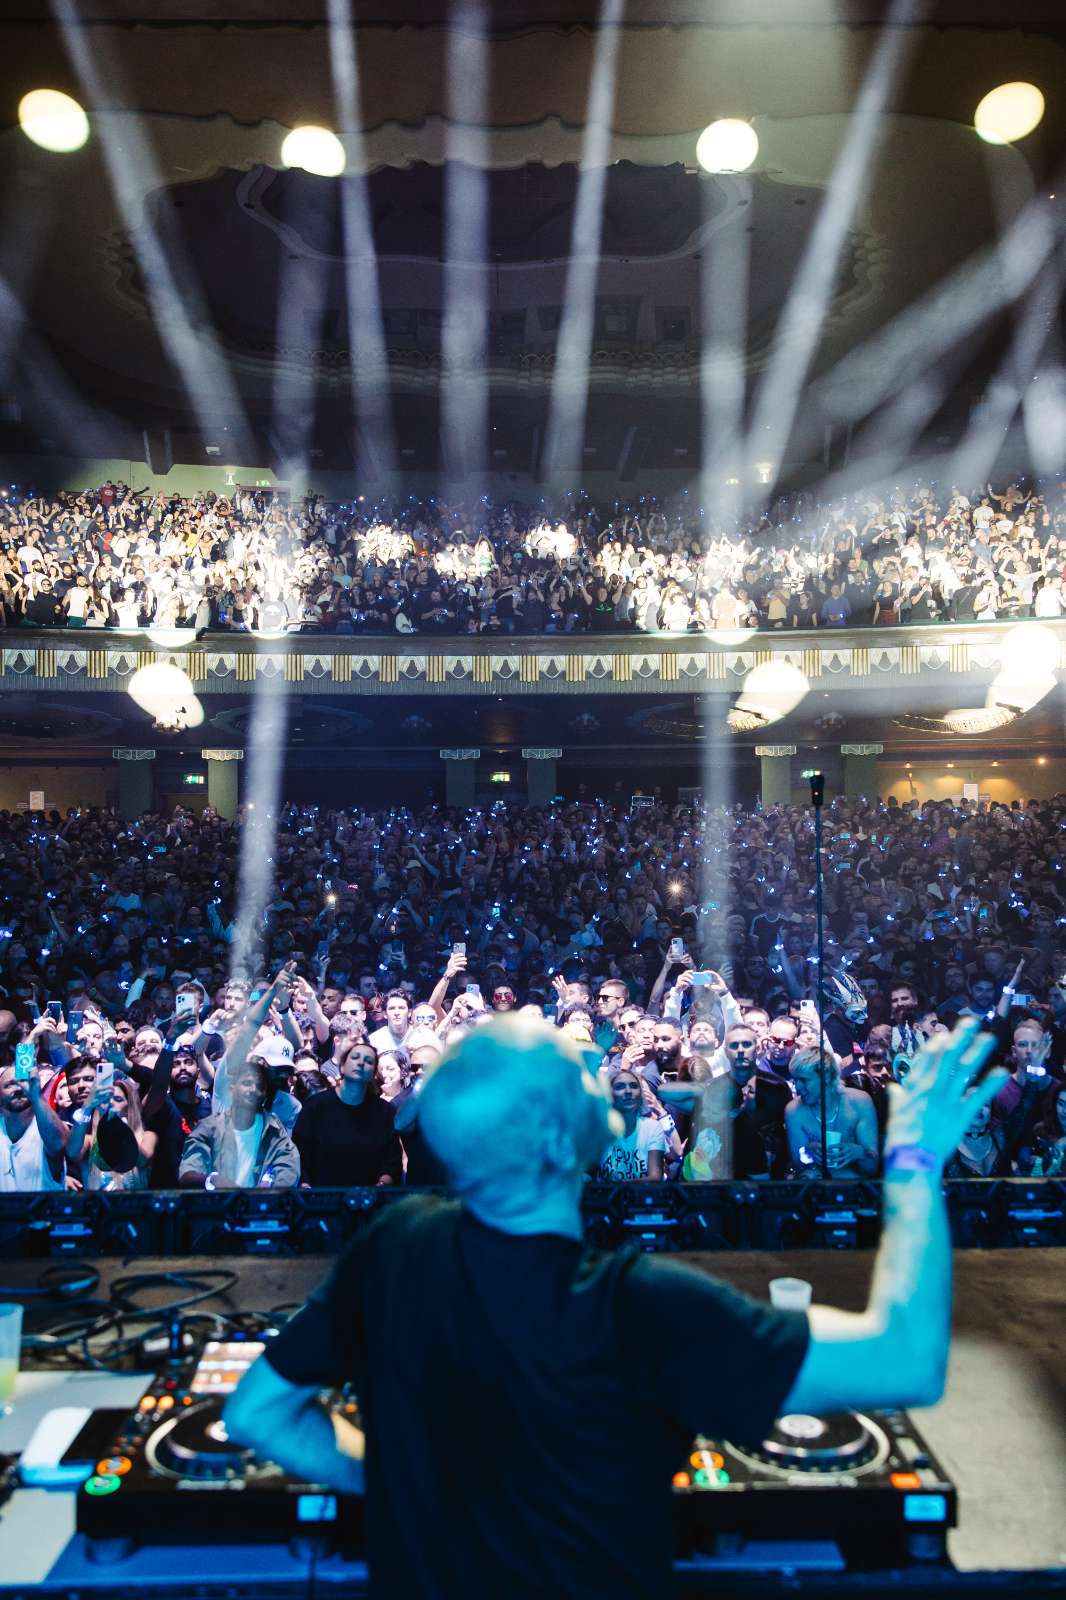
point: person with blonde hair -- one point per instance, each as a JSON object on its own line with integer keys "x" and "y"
{"x": 851, "y": 1135}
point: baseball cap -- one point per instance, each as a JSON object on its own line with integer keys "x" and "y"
{"x": 275, "y": 1052}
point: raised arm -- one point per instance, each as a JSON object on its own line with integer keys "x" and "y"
{"x": 895, "y": 1353}
{"x": 456, "y": 965}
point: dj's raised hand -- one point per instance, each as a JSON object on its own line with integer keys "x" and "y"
{"x": 936, "y": 1104}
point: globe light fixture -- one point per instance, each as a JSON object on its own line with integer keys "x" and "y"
{"x": 728, "y": 145}
{"x": 167, "y": 694}
{"x": 314, "y": 149}
{"x": 1009, "y": 113}
{"x": 53, "y": 120}
{"x": 770, "y": 692}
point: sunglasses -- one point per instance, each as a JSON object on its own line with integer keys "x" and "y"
{"x": 741, "y": 1044}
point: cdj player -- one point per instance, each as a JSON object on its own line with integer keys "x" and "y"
{"x": 173, "y": 1474}
{"x": 867, "y": 1484}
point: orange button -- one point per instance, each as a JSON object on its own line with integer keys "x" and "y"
{"x": 165, "y": 1402}
{"x": 696, "y": 1458}
{"x": 906, "y": 1480}
{"x": 148, "y": 1403}
{"x": 682, "y": 1480}
{"x": 186, "y": 1399}
{"x": 717, "y": 1459}
{"x": 119, "y": 1465}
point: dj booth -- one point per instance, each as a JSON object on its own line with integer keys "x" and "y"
{"x": 968, "y": 1497}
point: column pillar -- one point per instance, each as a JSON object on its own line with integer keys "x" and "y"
{"x": 223, "y": 780}
{"x": 775, "y": 773}
{"x": 460, "y": 777}
{"x": 222, "y": 788}
{"x": 541, "y": 776}
{"x": 134, "y": 781}
{"x": 860, "y": 770}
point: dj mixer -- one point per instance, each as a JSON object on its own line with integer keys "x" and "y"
{"x": 865, "y": 1482}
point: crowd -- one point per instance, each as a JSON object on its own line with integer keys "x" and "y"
{"x": 113, "y": 557}
{"x": 142, "y": 1048}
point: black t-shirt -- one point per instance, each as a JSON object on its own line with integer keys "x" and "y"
{"x": 526, "y": 1400}
{"x": 343, "y": 1146}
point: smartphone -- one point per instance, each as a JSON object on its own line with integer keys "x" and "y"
{"x": 113, "y": 1052}
{"x": 458, "y": 949}
{"x": 474, "y": 988}
{"x": 160, "y": 850}
{"x": 185, "y": 1004}
{"x": 55, "y": 1010}
{"x": 669, "y": 1077}
{"x": 700, "y": 980}
{"x": 1022, "y": 999}
{"x": 677, "y": 949}
{"x": 25, "y": 1059}
{"x": 105, "y": 1074}
{"x": 1037, "y": 1072}
{"x": 74, "y": 1025}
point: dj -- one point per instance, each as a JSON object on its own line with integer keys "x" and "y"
{"x": 522, "y": 1393}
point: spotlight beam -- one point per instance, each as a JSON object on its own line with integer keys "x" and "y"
{"x": 917, "y": 339}
{"x": 805, "y": 309}
{"x": 725, "y": 265}
{"x": 177, "y": 306}
{"x": 573, "y": 346}
{"x": 464, "y": 398}
{"x": 301, "y": 302}
{"x": 976, "y": 454}
{"x": 266, "y": 758}
{"x": 371, "y": 399}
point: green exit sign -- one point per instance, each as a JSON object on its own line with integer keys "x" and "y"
{"x": 193, "y": 779}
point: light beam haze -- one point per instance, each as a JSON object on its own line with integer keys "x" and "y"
{"x": 803, "y": 318}
{"x": 568, "y": 405}
{"x": 369, "y": 370}
{"x": 464, "y": 396}
{"x": 724, "y": 269}
{"x": 265, "y": 755}
{"x": 177, "y": 306}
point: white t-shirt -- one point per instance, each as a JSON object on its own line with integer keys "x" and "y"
{"x": 384, "y": 1039}
{"x": 24, "y": 1163}
{"x": 247, "y": 1150}
{"x": 628, "y": 1157}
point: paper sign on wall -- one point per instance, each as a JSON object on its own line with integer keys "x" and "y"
{"x": 36, "y": 799}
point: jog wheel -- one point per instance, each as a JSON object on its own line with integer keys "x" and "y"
{"x": 195, "y": 1444}
{"x": 821, "y": 1446}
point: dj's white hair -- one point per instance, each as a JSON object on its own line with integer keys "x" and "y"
{"x": 513, "y": 1103}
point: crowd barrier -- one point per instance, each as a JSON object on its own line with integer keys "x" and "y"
{"x": 984, "y": 1214}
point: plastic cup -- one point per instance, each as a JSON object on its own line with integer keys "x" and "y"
{"x": 10, "y": 1344}
{"x": 790, "y": 1294}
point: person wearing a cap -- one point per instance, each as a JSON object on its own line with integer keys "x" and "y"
{"x": 279, "y": 1058}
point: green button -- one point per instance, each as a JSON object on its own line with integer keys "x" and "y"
{"x": 701, "y": 1475}
{"x": 723, "y": 1476}
{"x": 103, "y": 1483}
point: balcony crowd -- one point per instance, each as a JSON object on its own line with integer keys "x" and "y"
{"x": 115, "y": 557}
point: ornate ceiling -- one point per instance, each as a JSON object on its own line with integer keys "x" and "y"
{"x": 215, "y": 88}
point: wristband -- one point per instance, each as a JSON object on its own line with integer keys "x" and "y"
{"x": 82, "y": 1117}
{"x": 1008, "y": 988}
{"x": 912, "y": 1158}
{"x": 209, "y": 1181}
